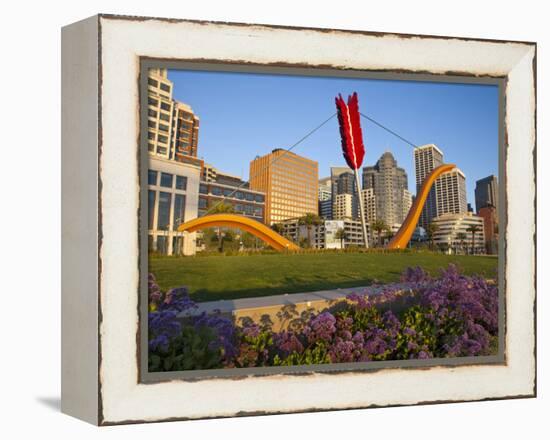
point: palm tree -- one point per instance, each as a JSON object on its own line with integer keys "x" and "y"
{"x": 378, "y": 226}
{"x": 388, "y": 233}
{"x": 309, "y": 220}
{"x": 473, "y": 229}
{"x": 431, "y": 229}
{"x": 341, "y": 235}
{"x": 461, "y": 237}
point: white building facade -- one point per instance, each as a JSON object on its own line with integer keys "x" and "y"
{"x": 450, "y": 228}
{"x": 173, "y": 194}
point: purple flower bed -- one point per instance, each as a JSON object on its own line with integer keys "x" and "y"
{"x": 422, "y": 317}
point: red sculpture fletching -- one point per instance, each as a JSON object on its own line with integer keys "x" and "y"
{"x": 350, "y": 130}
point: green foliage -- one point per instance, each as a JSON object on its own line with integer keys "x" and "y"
{"x": 188, "y": 351}
{"x": 315, "y": 354}
{"x": 419, "y": 333}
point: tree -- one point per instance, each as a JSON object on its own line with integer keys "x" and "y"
{"x": 278, "y": 228}
{"x": 431, "y": 229}
{"x": 341, "y": 235}
{"x": 473, "y": 229}
{"x": 461, "y": 237}
{"x": 378, "y": 226}
{"x": 309, "y": 220}
{"x": 388, "y": 233}
{"x": 222, "y": 208}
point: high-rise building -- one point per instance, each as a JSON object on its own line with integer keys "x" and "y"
{"x": 342, "y": 206}
{"x": 325, "y": 198}
{"x": 489, "y": 215}
{"x": 290, "y": 183}
{"x": 407, "y": 203}
{"x": 186, "y": 131}
{"x": 172, "y": 126}
{"x": 427, "y": 158}
{"x": 486, "y": 192}
{"x": 450, "y": 190}
{"x": 343, "y": 182}
{"x": 369, "y": 203}
{"x": 389, "y": 183}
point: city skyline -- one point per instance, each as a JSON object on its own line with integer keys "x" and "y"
{"x": 461, "y": 119}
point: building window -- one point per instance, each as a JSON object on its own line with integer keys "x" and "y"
{"x": 152, "y": 113}
{"x": 259, "y": 198}
{"x": 152, "y": 82}
{"x": 179, "y": 211}
{"x": 203, "y": 189}
{"x": 153, "y": 102}
{"x": 165, "y": 200}
{"x": 249, "y": 197}
{"x": 166, "y": 180}
{"x": 181, "y": 182}
{"x": 227, "y": 192}
{"x": 151, "y": 147}
{"x": 217, "y": 191}
{"x": 165, "y": 87}
{"x": 151, "y": 124}
{"x": 163, "y": 128}
{"x": 151, "y": 208}
{"x": 163, "y": 139}
{"x": 165, "y": 106}
{"x": 239, "y": 195}
{"x": 152, "y": 177}
{"x": 203, "y": 203}
{"x": 151, "y": 136}
{"x": 165, "y": 117}
{"x": 162, "y": 245}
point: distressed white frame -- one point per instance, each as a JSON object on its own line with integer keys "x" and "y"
{"x": 120, "y": 396}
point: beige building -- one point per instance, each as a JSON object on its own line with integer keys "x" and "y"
{"x": 407, "y": 203}
{"x": 450, "y": 192}
{"x": 450, "y": 225}
{"x": 426, "y": 159}
{"x": 173, "y": 127}
{"x": 342, "y": 206}
{"x": 325, "y": 235}
{"x": 369, "y": 203}
{"x": 290, "y": 183}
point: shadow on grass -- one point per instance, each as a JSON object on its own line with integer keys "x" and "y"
{"x": 291, "y": 286}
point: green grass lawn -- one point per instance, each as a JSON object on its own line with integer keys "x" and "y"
{"x": 231, "y": 277}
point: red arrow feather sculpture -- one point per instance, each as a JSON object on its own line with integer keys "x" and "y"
{"x": 352, "y": 145}
{"x": 350, "y": 131}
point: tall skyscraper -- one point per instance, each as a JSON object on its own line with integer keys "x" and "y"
{"x": 407, "y": 203}
{"x": 325, "y": 198}
{"x": 173, "y": 127}
{"x": 389, "y": 183}
{"x": 343, "y": 206}
{"x": 369, "y": 202}
{"x": 290, "y": 183}
{"x": 343, "y": 182}
{"x": 486, "y": 193}
{"x": 450, "y": 190}
{"x": 427, "y": 158}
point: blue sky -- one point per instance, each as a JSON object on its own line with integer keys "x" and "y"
{"x": 243, "y": 115}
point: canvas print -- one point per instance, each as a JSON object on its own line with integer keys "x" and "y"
{"x": 300, "y": 220}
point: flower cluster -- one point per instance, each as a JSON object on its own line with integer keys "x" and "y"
{"x": 419, "y": 318}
